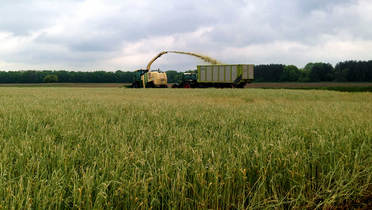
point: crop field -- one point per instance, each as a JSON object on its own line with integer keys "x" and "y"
{"x": 121, "y": 148}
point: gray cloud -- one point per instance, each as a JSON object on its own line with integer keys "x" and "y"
{"x": 125, "y": 34}
{"x": 22, "y": 17}
{"x": 310, "y": 5}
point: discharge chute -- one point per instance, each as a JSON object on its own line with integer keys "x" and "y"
{"x": 203, "y": 57}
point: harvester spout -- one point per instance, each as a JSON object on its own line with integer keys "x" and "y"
{"x": 203, "y": 57}
{"x": 154, "y": 59}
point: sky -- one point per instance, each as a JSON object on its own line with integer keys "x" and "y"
{"x": 90, "y": 35}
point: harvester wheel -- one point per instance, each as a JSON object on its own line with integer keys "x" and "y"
{"x": 187, "y": 85}
{"x": 150, "y": 85}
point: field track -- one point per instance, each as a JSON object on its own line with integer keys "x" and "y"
{"x": 87, "y": 85}
{"x": 285, "y": 85}
{"x": 307, "y": 85}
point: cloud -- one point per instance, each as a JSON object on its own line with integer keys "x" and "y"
{"x": 113, "y": 34}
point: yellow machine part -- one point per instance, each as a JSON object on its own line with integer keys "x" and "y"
{"x": 143, "y": 81}
{"x": 157, "y": 78}
{"x": 154, "y": 79}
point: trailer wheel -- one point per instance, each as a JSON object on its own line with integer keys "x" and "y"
{"x": 241, "y": 85}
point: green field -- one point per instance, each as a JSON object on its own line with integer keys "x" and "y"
{"x": 181, "y": 148}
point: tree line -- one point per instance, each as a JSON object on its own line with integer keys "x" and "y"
{"x": 65, "y": 77}
{"x": 348, "y": 71}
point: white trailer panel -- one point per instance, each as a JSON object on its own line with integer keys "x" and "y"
{"x": 202, "y": 73}
{"x": 222, "y": 74}
{"x": 225, "y": 73}
{"x": 245, "y": 72}
{"x": 251, "y": 73}
{"x": 234, "y": 72}
{"x": 209, "y": 74}
{"x": 215, "y": 73}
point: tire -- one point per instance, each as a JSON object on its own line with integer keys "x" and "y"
{"x": 150, "y": 85}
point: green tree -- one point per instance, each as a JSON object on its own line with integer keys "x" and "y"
{"x": 316, "y": 72}
{"x": 50, "y": 78}
{"x": 290, "y": 74}
{"x": 268, "y": 73}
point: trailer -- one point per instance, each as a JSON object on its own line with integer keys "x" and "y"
{"x": 221, "y": 75}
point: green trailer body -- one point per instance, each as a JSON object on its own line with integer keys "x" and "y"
{"x": 235, "y": 74}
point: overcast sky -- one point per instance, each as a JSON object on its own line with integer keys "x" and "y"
{"x": 113, "y": 34}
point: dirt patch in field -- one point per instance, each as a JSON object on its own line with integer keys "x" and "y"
{"x": 306, "y": 85}
{"x": 88, "y": 85}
